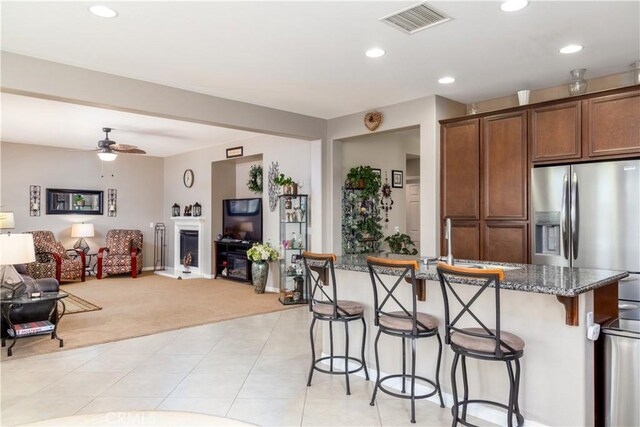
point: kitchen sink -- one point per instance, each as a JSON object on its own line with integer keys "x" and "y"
{"x": 486, "y": 266}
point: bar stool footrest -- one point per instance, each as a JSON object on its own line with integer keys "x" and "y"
{"x": 408, "y": 396}
{"x": 333, "y": 372}
{"x": 518, "y": 415}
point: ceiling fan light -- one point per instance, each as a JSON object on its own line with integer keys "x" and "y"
{"x": 107, "y": 157}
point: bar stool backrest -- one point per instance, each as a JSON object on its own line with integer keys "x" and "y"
{"x": 452, "y": 317}
{"x": 317, "y": 281}
{"x": 383, "y": 293}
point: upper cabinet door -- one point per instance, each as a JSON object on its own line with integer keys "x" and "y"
{"x": 555, "y": 132}
{"x": 612, "y": 125}
{"x": 460, "y": 170}
{"x": 504, "y": 166}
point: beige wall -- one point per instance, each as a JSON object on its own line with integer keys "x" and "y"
{"x": 242, "y": 176}
{"x": 294, "y": 158}
{"x": 423, "y": 113}
{"x": 386, "y": 151}
{"x": 138, "y": 180}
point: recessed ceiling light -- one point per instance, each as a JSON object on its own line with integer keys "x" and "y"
{"x": 572, "y": 48}
{"x": 513, "y": 5}
{"x": 103, "y": 11}
{"x": 446, "y": 80}
{"x": 375, "y": 52}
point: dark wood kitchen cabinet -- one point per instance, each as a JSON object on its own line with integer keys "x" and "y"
{"x": 555, "y": 132}
{"x": 465, "y": 236}
{"x": 612, "y": 125}
{"x": 504, "y": 167}
{"x": 460, "y": 170}
{"x": 505, "y": 241}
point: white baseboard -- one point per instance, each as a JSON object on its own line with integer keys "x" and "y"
{"x": 484, "y": 412}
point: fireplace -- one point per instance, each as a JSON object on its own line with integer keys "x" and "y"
{"x": 189, "y": 244}
{"x": 188, "y": 237}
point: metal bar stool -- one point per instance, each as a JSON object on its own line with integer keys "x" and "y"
{"x": 479, "y": 343}
{"x": 399, "y": 320}
{"x": 330, "y": 309}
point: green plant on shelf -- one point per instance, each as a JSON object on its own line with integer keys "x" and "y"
{"x": 365, "y": 179}
{"x": 401, "y": 244}
{"x": 283, "y": 180}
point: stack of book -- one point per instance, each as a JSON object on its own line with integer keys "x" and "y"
{"x": 31, "y": 328}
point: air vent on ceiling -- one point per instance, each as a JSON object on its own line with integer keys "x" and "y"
{"x": 415, "y": 18}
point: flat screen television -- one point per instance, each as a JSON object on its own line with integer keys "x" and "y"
{"x": 242, "y": 219}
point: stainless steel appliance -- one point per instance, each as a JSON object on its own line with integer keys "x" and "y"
{"x": 622, "y": 370}
{"x": 588, "y": 215}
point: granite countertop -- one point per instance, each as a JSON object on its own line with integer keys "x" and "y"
{"x": 541, "y": 279}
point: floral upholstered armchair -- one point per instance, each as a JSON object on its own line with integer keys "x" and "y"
{"x": 121, "y": 254}
{"x": 52, "y": 259}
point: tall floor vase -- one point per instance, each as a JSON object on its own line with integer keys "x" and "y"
{"x": 259, "y": 272}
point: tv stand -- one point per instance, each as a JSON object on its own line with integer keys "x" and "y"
{"x": 230, "y": 260}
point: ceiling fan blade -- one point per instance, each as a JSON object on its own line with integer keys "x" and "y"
{"x": 130, "y": 151}
{"x": 122, "y": 147}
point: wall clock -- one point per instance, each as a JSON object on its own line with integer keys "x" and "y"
{"x": 187, "y": 178}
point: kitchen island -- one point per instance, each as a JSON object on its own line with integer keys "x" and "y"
{"x": 544, "y": 305}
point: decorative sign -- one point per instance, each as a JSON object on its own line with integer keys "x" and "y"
{"x": 234, "y": 152}
{"x": 372, "y": 120}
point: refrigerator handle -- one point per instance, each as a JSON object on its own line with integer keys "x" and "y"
{"x": 563, "y": 217}
{"x": 575, "y": 217}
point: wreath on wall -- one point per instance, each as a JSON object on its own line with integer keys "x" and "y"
{"x": 255, "y": 179}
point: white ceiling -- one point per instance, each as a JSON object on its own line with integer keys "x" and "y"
{"x": 37, "y": 121}
{"x": 308, "y": 57}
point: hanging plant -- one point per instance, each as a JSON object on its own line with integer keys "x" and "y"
{"x": 255, "y": 179}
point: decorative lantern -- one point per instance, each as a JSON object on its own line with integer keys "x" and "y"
{"x": 197, "y": 209}
{"x": 175, "y": 210}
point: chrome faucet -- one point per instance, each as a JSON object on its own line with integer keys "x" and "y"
{"x": 448, "y": 237}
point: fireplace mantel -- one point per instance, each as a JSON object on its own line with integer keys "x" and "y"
{"x": 186, "y": 223}
{"x": 188, "y": 218}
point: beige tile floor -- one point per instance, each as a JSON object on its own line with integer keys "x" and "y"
{"x": 252, "y": 369}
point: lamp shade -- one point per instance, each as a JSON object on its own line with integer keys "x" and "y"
{"x": 6, "y": 220}
{"x": 82, "y": 230}
{"x": 16, "y": 249}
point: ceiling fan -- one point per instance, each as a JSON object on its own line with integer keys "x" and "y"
{"x": 108, "y": 149}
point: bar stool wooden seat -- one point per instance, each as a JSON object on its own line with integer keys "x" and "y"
{"x": 330, "y": 309}
{"x": 481, "y": 342}
{"x": 402, "y": 320}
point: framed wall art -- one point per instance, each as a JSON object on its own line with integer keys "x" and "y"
{"x": 234, "y": 152}
{"x": 397, "y": 179}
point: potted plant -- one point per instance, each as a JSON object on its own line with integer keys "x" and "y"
{"x": 289, "y": 186}
{"x": 401, "y": 244}
{"x": 259, "y": 255}
{"x": 78, "y": 200}
{"x": 363, "y": 178}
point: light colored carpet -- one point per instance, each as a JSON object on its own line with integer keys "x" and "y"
{"x": 147, "y": 305}
{"x": 74, "y": 304}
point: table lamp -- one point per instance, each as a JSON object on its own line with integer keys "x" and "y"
{"x": 82, "y": 230}
{"x": 14, "y": 249}
{"x": 6, "y": 221}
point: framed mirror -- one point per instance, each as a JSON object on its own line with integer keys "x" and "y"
{"x": 79, "y": 202}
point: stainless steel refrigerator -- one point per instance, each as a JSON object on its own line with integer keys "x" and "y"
{"x": 588, "y": 215}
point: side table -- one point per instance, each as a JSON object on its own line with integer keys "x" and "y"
{"x": 89, "y": 258}
{"x": 8, "y": 305}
